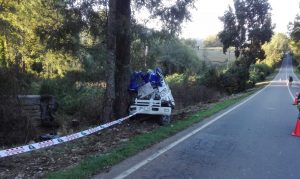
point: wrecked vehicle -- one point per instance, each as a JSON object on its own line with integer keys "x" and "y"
{"x": 152, "y": 95}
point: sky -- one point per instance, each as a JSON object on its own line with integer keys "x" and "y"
{"x": 205, "y": 19}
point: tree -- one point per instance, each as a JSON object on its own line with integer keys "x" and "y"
{"x": 52, "y": 37}
{"x": 18, "y": 20}
{"x": 118, "y": 29}
{"x": 248, "y": 28}
{"x": 36, "y": 36}
{"x": 110, "y": 93}
{"x": 229, "y": 36}
{"x": 294, "y": 31}
{"x": 294, "y": 28}
{"x": 275, "y": 49}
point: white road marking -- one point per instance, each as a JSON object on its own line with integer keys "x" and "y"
{"x": 292, "y": 96}
{"x": 165, "y": 149}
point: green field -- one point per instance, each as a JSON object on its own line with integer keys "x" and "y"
{"x": 215, "y": 55}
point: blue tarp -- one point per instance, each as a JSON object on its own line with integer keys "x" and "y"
{"x": 140, "y": 78}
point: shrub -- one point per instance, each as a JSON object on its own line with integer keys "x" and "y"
{"x": 210, "y": 78}
{"x": 76, "y": 98}
{"x": 175, "y": 79}
{"x": 187, "y": 90}
{"x": 258, "y": 72}
{"x": 234, "y": 80}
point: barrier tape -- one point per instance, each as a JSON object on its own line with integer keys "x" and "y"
{"x": 60, "y": 140}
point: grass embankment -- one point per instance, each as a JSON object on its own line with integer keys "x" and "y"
{"x": 140, "y": 142}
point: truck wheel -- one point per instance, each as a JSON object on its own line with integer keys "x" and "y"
{"x": 164, "y": 120}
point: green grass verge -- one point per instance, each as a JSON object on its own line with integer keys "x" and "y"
{"x": 95, "y": 164}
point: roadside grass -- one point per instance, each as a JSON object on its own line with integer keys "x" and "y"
{"x": 98, "y": 163}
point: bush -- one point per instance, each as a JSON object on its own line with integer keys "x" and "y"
{"x": 175, "y": 79}
{"x": 81, "y": 99}
{"x": 210, "y": 78}
{"x": 234, "y": 80}
{"x": 49, "y": 87}
{"x": 187, "y": 90}
{"x": 258, "y": 72}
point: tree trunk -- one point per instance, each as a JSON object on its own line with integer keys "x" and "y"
{"x": 108, "y": 112}
{"x": 118, "y": 60}
{"x": 123, "y": 41}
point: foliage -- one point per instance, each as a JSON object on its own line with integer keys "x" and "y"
{"x": 259, "y": 72}
{"x": 275, "y": 49}
{"x": 20, "y": 21}
{"x": 176, "y": 57}
{"x": 294, "y": 44}
{"x": 151, "y": 49}
{"x": 76, "y": 98}
{"x": 190, "y": 42}
{"x": 50, "y": 38}
{"x": 175, "y": 79}
{"x": 212, "y": 41}
{"x": 294, "y": 29}
{"x": 210, "y": 77}
{"x": 145, "y": 47}
{"x": 234, "y": 79}
{"x": 247, "y": 28}
{"x": 171, "y": 14}
{"x": 189, "y": 90}
{"x": 229, "y": 34}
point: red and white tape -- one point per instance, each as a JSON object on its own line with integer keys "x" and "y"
{"x": 48, "y": 143}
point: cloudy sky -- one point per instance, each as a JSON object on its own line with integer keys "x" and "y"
{"x": 205, "y": 17}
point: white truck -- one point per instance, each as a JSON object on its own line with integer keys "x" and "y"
{"x": 154, "y": 96}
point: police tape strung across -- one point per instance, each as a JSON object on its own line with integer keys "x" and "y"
{"x": 67, "y": 138}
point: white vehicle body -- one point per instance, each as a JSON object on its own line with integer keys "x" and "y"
{"x": 153, "y": 101}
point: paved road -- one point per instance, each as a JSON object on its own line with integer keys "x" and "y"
{"x": 253, "y": 140}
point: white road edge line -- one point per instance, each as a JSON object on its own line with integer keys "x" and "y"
{"x": 291, "y": 93}
{"x": 165, "y": 149}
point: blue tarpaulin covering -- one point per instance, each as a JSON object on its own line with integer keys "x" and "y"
{"x": 140, "y": 78}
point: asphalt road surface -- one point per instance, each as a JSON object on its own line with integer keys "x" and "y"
{"x": 251, "y": 140}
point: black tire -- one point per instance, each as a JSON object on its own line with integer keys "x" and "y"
{"x": 164, "y": 120}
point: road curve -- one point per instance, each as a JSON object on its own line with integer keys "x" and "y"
{"x": 250, "y": 140}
